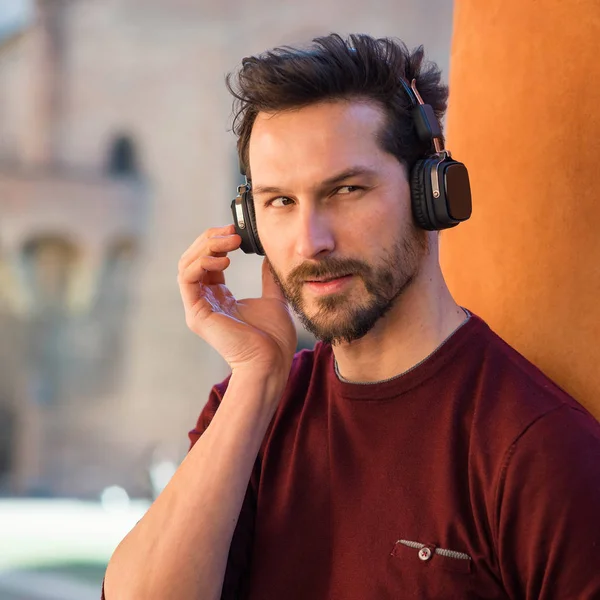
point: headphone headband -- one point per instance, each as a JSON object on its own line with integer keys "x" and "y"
{"x": 426, "y": 123}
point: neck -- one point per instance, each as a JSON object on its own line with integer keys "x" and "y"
{"x": 421, "y": 319}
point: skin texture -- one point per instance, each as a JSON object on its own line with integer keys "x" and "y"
{"x": 396, "y": 308}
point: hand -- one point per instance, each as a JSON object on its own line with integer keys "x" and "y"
{"x": 255, "y": 333}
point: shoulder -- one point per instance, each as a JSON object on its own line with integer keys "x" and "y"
{"x": 509, "y": 390}
{"x": 518, "y": 415}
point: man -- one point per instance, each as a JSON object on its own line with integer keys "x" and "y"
{"x": 412, "y": 453}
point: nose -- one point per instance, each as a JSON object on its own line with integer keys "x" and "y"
{"x": 314, "y": 234}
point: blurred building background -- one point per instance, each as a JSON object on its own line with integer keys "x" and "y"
{"x": 115, "y": 154}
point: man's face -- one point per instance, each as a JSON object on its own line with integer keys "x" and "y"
{"x": 333, "y": 214}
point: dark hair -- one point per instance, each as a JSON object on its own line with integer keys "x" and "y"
{"x": 333, "y": 68}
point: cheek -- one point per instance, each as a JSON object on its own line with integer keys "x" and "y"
{"x": 275, "y": 243}
{"x": 375, "y": 227}
{"x": 278, "y": 250}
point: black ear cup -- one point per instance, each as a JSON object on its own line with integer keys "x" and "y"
{"x": 456, "y": 202}
{"x": 249, "y": 202}
{"x": 419, "y": 196}
{"x": 440, "y": 193}
{"x": 244, "y": 220}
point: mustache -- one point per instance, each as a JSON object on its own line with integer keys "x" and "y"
{"x": 329, "y": 268}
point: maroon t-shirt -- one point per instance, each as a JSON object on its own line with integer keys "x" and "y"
{"x": 470, "y": 476}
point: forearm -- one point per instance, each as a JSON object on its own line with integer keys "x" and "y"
{"x": 179, "y": 549}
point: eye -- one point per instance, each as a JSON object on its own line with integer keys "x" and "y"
{"x": 279, "y": 202}
{"x": 347, "y": 189}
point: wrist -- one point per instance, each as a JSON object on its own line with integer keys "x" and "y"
{"x": 275, "y": 376}
{"x": 270, "y": 369}
{"x": 270, "y": 381}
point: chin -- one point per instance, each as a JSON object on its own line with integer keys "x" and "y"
{"x": 338, "y": 328}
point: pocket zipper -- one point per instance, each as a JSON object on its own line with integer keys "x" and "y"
{"x": 439, "y": 551}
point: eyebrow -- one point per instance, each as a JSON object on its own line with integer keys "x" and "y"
{"x": 326, "y": 183}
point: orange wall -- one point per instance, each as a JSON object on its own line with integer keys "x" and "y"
{"x": 525, "y": 118}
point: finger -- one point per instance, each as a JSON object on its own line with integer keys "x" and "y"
{"x": 221, "y": 244}
{"x": 270, "y": 288}
{"x": 195, "y": 248}
{"x": 194, "y": 288}
{"x": 195, "y": 272}
{"x": 214, "y": 247}
{"x": 194, "y": 303}
{"x": 218, "y": 246}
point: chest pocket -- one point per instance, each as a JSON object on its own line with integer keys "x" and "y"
{"x": 430, "y": 572}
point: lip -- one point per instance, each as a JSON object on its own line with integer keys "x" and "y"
{"x": 329, "y": 286}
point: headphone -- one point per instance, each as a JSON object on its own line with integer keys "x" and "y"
{"x": 439, "y": 186}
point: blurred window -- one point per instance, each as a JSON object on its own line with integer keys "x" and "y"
{"x": 122, "y": 159}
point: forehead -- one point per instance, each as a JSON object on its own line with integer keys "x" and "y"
{"x": 315, "y": 141}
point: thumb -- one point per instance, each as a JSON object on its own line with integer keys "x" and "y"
{"x": 270, "y": 288}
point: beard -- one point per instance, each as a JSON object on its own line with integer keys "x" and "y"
{"x": 337, "y": 318}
